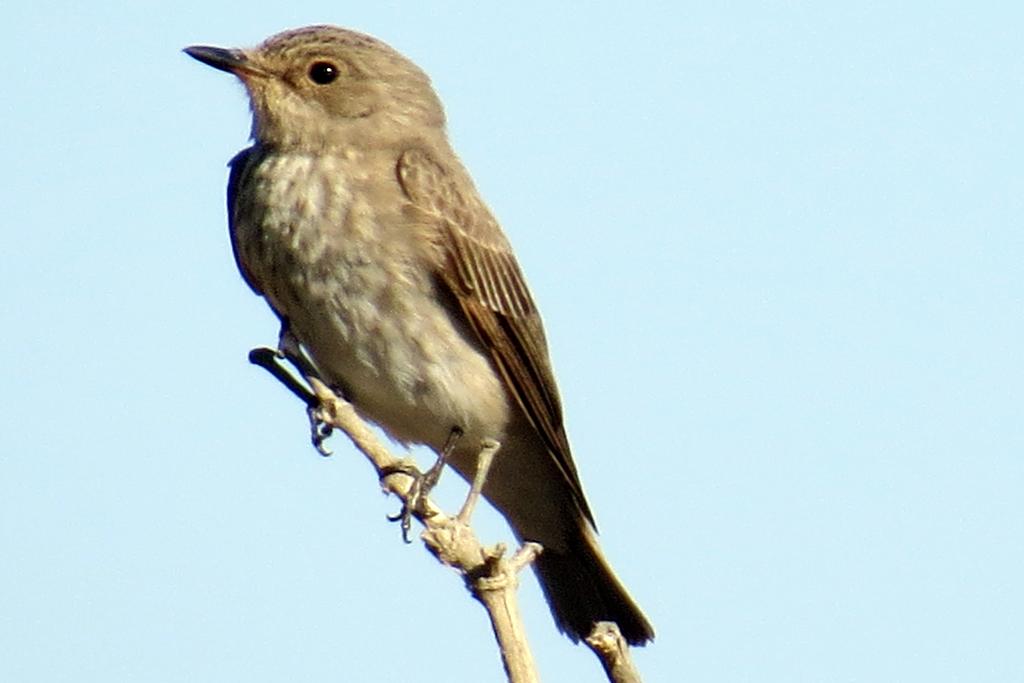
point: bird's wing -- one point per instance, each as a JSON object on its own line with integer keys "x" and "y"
{"x": 476, "y": 264}
{"x": 239, "y": 166}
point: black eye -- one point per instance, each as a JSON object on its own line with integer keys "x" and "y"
{"x": 323, "y": 73}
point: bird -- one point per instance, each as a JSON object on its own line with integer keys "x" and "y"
{"x": 351, "y": 214}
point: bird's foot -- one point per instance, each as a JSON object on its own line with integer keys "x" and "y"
{"x": 422, "y": 483}
{"x": 270, "y": 360}
{"x": 273, "y": 361}
{"x": 415, "y": 499}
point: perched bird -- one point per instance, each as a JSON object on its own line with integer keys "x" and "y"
{"x": 353, "y": 217}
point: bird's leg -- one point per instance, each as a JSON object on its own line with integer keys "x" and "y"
{"x": 422, "y": 483}
{"x": 433, "y": 475}
{"x": 269, "y": 360}
{"x": 483, "y": 466}
{"x": 289, "y": 349}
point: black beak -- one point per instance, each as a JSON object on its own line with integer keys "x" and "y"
{"x": 232, "y": 61}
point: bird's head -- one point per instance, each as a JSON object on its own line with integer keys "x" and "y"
{"x": 322, "y": 86}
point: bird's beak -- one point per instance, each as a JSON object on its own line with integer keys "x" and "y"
{"x": 233, "y": 61}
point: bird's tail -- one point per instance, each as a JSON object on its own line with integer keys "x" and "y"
{"x": 582, "y": 589}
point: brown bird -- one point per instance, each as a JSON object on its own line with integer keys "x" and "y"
{"x": 353, "y": 217}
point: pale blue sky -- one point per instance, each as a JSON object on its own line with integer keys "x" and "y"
{"x": 779, "y": 253}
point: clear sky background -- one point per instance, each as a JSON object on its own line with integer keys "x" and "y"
{"x": 779, "y": 253}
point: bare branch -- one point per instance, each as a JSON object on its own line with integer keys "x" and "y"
{"x": 612, "y": 649}
{"x": 491, "y": 578}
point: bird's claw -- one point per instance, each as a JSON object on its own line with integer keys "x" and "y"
{"x": 319, "y": 430}
{"x": 415, "y": 502}
{"x": 423, "y": 483}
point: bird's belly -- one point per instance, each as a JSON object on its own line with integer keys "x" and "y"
{"x": 404, "y": 365}
{"x": 366, "y": 307}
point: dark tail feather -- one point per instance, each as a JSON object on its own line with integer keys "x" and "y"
{"x": 582, "y": 589}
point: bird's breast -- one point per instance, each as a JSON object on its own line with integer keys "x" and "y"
{"x": 324, "y": 239}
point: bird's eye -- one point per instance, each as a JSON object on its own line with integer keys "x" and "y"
{"x": 323, "y": 73}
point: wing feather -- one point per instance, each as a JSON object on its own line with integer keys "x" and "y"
{"x": 478, "y": 267}
{"x": 239, "y": 166}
